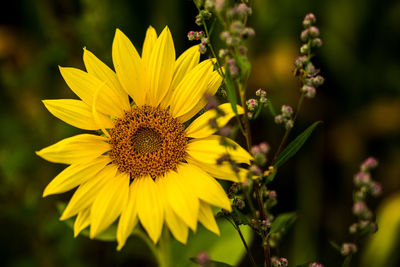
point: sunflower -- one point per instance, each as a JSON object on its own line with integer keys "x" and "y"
{"x": 142, "y": 163}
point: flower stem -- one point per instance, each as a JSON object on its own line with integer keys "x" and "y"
{"x": 267, "y": 252}
{"x": 288, "y": 130}
{"x": 245, "y": 245}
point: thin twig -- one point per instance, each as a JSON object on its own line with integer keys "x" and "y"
{"x": 245, "y": 245}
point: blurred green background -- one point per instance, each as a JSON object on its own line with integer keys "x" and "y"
{"x": 359, "y": 104}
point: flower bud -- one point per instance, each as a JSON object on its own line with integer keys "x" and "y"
{"x": 261, "y": 92}
{"x": 287, "y": 111}
{"x": 202, "y": 48}
{"x": 260, "y": 159}
{"x": 348, "y": 248}
{"x": 248, "y": 32}
{"x": 279, "y": 119}
{"x": 252, "y": 104}
{"x": 309, "y": 91}
{"x": 307, "y": 22}
{"x": 255, "y": 169}
{"x": 369, "y": 164}
{"x": 242, "y": 9}
{"x": 191, "y": 35}
{"x": 317, "y": 80}
{"x": 223, "y": 52}
{"x": 362, "y": 179}
{"x": 289, "y": 124}
{"x": 376, "y": 189}
{"x": 199, "y": 20}
{"x": 353, "y": 228}
{"x": 237, "y": 27}
{"x": 275, "y": 262}
{"x": 284, "y": 261}
{"x": 205, "y": 14}
{"x": 304, "y": 49}
{"x": 360, "y": 208}
{"x": 316, "y": 42}
{"x": 304, "y": 35}
{"x": 209, "y": 5}
{"x": 263, "y": 100}
{"x": 219, "y": 5}
{"x": 264, "y": 147}
{"x": 300, "y": 61}
{"x": 203, "y": 259}
{"x": 315, "y": 264}
{"x": 313, "y": 31}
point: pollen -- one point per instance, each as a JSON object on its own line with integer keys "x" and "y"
{"x": 147, "y": 141}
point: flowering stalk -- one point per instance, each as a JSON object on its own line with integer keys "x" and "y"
{"x": 306, "y": 72}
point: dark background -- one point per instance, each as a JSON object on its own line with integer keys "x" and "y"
{"x": 359, "y": 105}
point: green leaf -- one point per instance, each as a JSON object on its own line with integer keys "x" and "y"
{"x": 335, "y": 246}
{"x": 271, "y": 108}
{"x": 230, "y": 88}
{"x": 347, "y": 261}
{"x": 295, "y": 145}
{"x": 227, "y": 247}
{"x": 282, "y": 221}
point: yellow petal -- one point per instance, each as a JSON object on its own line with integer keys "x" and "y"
{"x": 101, "y": 71}
{"x": 204, "y": 186}
{"x": 109, "y": 203}
{"x": 75, "y": 175}
{"x": 201, "y": 127}
{"x": 179, "y": 198}
{"x": 161, "y": 67}
{"x": 149, "y": 206}
{"x": 223, "y": 171}
{"x": 85, "y": 85}
{"x": 128, "y": 219}
{"x": 72, "y": 150}
{"x": 191, "y": 89}
{"x": 82, "y": 221}
{"x": 177, "y": 227}
{"x": 212, "y": 88}
{"x": 77, "y": 113}
{"x": 129, "y": 68}
{"x": 148, "y": 45}
{"x": 185, "y": 63}
{"x": 209, "y": 149}
{"x": 206, "y": 217}
{"x": 87, "y": 192}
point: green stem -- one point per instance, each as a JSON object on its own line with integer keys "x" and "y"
{"x": 288, "y": 130}
{"x": 160, "y": 258}
{"x": 245, "y": 245}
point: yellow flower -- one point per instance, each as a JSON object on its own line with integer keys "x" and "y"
{"x": 146, "y": 166}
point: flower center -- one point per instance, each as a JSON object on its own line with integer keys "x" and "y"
{"x": 147, "y": 141}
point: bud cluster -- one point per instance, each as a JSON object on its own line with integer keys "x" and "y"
{"x": 254, "y": 105}
{"x": 348, "y": 248}
{"x": 259, "y": 153}
{"x": 285, "y": 117}
{"x": 199, "y": 35}
{"x": 308, "y": 73}
{"x": 279, "y": 262}
{"x": 364, "y": 186}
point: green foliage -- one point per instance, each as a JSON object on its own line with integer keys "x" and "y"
{"x": 231, "y": 92}
{"x": 295, "y": 145}
{"x": 283, "y": 222}
{"x": 227, "y": 247}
